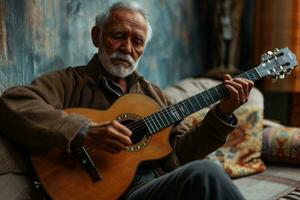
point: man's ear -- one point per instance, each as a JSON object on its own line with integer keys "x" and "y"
{"x": 95, "y": 33}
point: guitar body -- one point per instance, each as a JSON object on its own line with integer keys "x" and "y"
{"x": 64, "y": 178}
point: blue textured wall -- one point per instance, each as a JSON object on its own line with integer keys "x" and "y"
{"x": 38, "y": 36}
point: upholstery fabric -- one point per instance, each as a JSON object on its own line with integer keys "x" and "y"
{"x": 281, "y": 144}
{"x": 240, "y": 156}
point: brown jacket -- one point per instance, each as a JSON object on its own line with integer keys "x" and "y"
{"x": 33, "y": 115}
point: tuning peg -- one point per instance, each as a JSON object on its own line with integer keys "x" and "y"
{"x": 289, "y": 71}
{"x": 281, "y": 76}
{"x": 276, "y": 50}
{"x": 264, "y": 56}
{"x": 275, "y": 78}
{"x": 269, "y": 53}
{"x": 282, "y": 69}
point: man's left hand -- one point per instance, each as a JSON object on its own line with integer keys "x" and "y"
{"x": 239, "y": 90}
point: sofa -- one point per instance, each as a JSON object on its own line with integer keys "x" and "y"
{"x": 262, "y": 156}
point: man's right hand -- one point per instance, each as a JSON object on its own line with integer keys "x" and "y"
{"x": 112, "y": 137}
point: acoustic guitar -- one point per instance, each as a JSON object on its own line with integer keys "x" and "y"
{"x": 90, "y": 173}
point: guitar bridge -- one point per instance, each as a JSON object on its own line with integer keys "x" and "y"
{"x": 85, "y": 160}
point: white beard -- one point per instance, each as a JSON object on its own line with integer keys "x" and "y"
{"x": 118, "y": 70}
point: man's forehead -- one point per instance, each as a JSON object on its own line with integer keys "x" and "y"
{"x": 132, "y": 17}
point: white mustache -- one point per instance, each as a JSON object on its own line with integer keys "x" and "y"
{"x": 127, "y": 58}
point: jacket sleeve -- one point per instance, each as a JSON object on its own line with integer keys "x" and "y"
{"x": 192, "y": 143}
{"x": 32, "y": 115}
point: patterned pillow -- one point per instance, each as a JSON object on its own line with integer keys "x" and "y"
{"x": 281, "y": 144}
{"x": 240, "y": 156}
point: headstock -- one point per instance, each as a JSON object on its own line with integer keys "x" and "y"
{"x": 277, "y": 63}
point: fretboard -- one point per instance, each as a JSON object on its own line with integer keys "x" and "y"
{"x": 176, "y": 112}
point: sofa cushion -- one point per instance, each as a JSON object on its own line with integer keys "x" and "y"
{"x": 281, "y": 145}
{"x": 240, "y": 155}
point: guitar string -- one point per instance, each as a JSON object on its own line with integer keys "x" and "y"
{"x": 139, "y": 125}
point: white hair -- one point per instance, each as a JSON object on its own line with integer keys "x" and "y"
{"x": 101, "y": 19}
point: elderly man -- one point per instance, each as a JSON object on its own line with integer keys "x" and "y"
{"x": 32, "y": 115}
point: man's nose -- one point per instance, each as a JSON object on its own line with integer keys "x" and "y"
{"x": 126, "y": 46}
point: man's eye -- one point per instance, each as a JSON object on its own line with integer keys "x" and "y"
{"x": 117, "y": 35}
{"x": 138, "y": 41}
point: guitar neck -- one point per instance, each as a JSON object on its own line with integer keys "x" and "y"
{"x": 177, "y": 112}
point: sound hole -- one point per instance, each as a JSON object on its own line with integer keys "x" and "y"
{"x": 138, "y": 129}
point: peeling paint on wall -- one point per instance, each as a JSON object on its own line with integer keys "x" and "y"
{"x": 39, "y": 36}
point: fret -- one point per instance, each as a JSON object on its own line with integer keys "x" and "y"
{"x": 207, "y": 99}
{"x": 148, "y": 124}
{"x": 210, "y": 95}
{"x": 183, "y": 103}
{"x": 152, "y": 123}
{"x": 157, "y": 119}
{"x": 224, "y": 91}
{"x": 214, "y": 94}
{"x": 175, "y": 114}
{"x": 181, "y": 109}
{"x": 170, "y": 117}
{"x": 253, "y": 74}
{"x": 196, "y": 100}
{"x": 148, "y": 127}
{"x": 216, "y": 89}
{"x": 248, "y": 76}
{"x": 211, "y": 92}
{"x": 244, "y": 75}
{"x": 257, "y": 73}
{"x": 252, "y": 77}
{"x": 206, "y": 103}
{"x": 163, "y": 121}
{"x": 153, "y": 118}
{"x": 183, "y": 112}
{"x": 192, "y": 106}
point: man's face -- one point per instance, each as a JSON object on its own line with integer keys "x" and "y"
{"x": 122, "y": 42}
